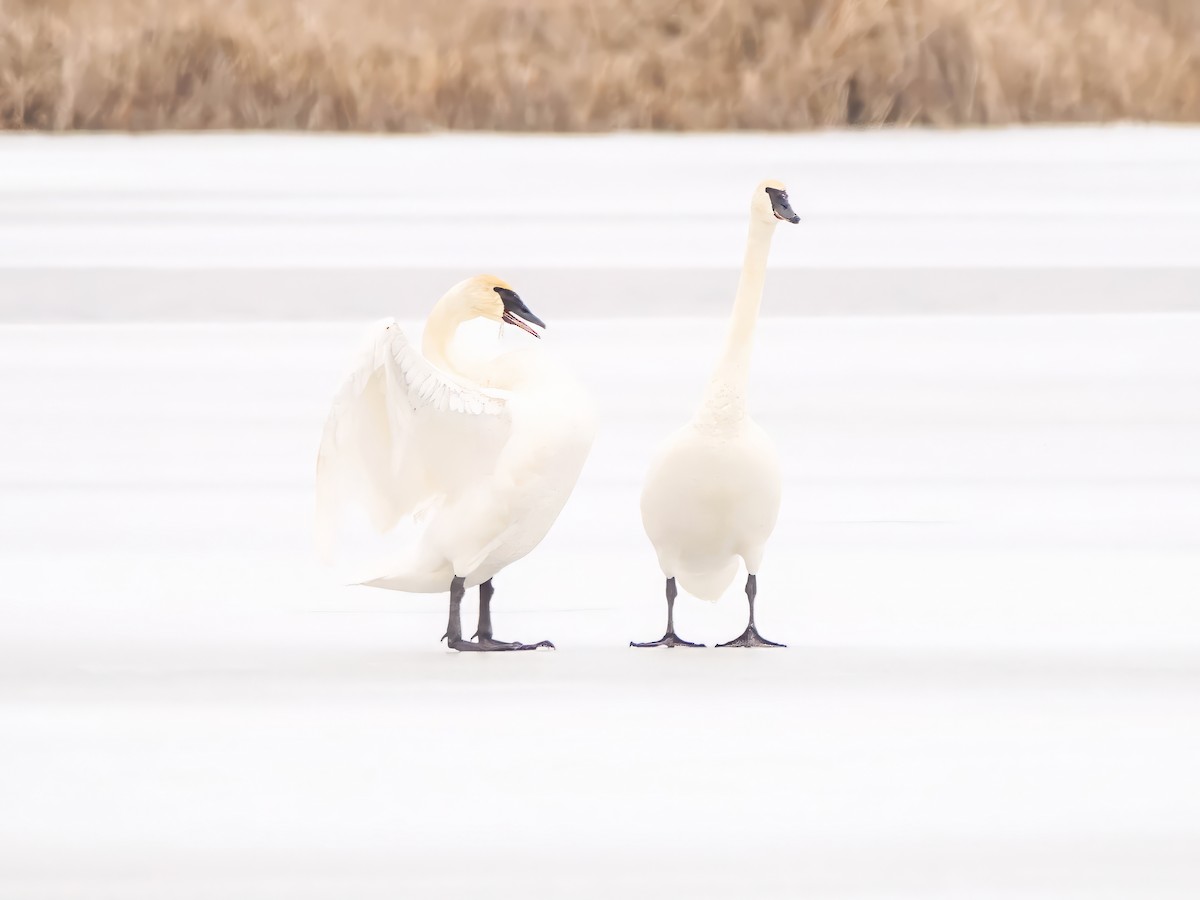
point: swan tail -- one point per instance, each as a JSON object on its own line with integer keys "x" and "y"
{"x": 708, "y": 585}
{"x": 412, "y": 573}
{"x": 408, "y": 583}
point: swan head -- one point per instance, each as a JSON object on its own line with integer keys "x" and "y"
{"x": 489, "y": 297}
{"x": 770, "y": 203}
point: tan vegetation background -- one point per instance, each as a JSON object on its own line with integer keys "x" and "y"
{"x": 584, "y": 65}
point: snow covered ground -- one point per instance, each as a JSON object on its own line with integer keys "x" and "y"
{"x": 987, "y": 571}
{"x": 1058, "y": 197}
{"x": 325, "y": 227}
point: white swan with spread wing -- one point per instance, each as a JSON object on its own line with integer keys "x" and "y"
{"x": 712, "y": 494}
{"x": 484, "y": 452}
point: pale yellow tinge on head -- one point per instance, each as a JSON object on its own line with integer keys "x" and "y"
{"x": 476, "y": 297}
{"x": 760, "y": 202}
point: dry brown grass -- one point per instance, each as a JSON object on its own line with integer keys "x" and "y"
{"x": 576, "y": 65}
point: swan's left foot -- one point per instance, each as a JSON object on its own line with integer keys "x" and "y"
{"x": 670, "y": 639}
{"x": 750, "y": 638}
{"x": 490, "y": 643}
{"x": 487, "y": 645}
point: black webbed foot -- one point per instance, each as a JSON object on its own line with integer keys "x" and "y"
{"x": 750, "y": 638}
{"x": 670, "y": 639}
{"x": 485, "y": 643}
{"x": 490, "y": 645}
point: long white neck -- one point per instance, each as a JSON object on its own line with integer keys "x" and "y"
{"x": 725, "y": 398}
{"x": 440, "y": 327}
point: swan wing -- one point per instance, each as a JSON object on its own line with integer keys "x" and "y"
{"x": 402, "y": 434}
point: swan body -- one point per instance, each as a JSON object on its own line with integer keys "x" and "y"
{"x": 701, "y": 526}
{"x": 483, "y": 453}
{"x": 712, "y": 494}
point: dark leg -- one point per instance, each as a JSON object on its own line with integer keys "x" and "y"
{"x": 453, "y": 634}
{"x": 750, "y": 637}
{"x": 484, "y": 631}
{"x": 670, "y": 639}
{"x": 484, "y": 628}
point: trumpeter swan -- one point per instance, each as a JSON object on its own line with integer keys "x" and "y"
{"x": 712, "y": 493}
{"x": 483, "y": 452}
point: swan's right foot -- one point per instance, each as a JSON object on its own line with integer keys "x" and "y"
{"x": 670, "y": 639}
{"x": 750, "y": 638}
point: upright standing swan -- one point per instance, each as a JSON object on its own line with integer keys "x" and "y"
{"x": 483, "y": 453}
{"x": 712, "y": 493}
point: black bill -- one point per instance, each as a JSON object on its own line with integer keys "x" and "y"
{"x": 781, "y": 207}
{"x": 517, "y": 313}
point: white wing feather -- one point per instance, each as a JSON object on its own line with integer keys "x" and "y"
{"x": 402, "y": 435}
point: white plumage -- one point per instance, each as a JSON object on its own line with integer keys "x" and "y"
{"x": 391, "y": 440}
{"x": 711, "y": 497}
{"x": 484, "y": 452}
